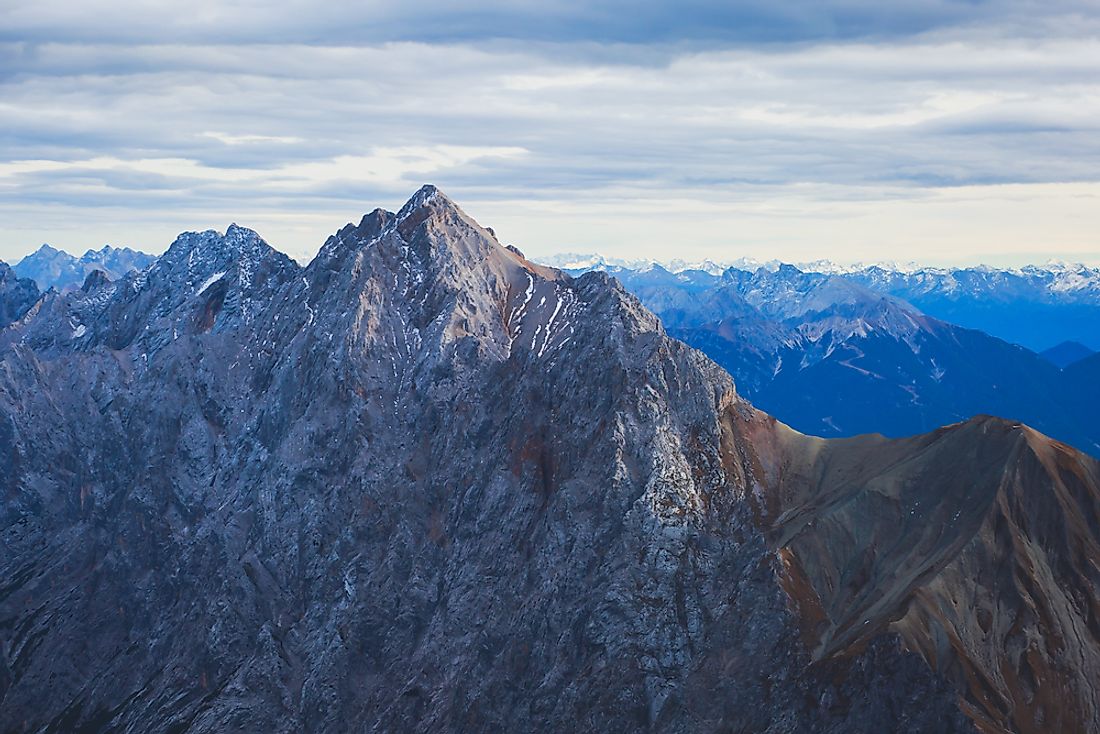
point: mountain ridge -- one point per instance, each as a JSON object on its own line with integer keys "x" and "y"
{"x": 834, "y": 357}
{"x": 1037, "y": 306}
{"x": 424, "y": 484}
{"x": 53, "y": 268}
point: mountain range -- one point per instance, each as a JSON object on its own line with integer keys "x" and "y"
{"x": 424, "y": 484}
{"x": 830, "y": 356}
{"x": 53, "y": 268}
{"x": 1037, "y": 306}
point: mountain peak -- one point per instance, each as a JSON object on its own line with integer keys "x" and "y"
{"x": 50, "y": 267}
{"x": 424, "y": 195}
{"x": 46, "y": 249}
{"x": 96, "y": 279}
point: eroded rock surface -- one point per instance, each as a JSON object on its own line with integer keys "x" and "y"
{"x": 425, "y": 485}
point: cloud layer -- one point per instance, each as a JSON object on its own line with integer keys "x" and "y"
{"x": 952, "y": 131}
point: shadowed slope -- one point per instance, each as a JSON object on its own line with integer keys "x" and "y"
{"x": 424, "y": 485}
{"x": 978, "y": 543}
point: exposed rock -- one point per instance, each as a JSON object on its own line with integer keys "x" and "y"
{"x": 425, "y": 485}
{"x": 17, "y": 295}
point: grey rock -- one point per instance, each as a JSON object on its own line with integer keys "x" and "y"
{"x": 17, "y": 295}
{"x": 421, "y": 484}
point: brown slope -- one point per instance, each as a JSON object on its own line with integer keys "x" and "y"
{"x": 978, "y": 544}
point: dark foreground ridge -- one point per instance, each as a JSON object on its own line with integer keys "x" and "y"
{"x": 425, "y": 485}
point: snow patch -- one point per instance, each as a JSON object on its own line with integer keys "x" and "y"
{"x": 209, "y": 282}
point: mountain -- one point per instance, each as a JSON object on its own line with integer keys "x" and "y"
{"x": 1035, "y": 306}
{"x": 17, "y": 295}
{"x": 926, "y": 537}
{"x": 1066, "y": 353}
{"x": 53, "y": 268}
{"x": 423, "y": 484}
{"x": 1038, "y": 307}
{"x": 834, "y": 358}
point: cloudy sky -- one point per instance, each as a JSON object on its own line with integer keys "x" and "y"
{"x": 942, "y": 131}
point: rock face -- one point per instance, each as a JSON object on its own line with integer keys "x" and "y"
{"x": 17, "y": 295}
{"x": 53, "y": 268}
{"x": 831, "y": 357}
{"x": 1037, "y": 306}
{"x": 425, "y": 485}
{"x": 951, "y": 540}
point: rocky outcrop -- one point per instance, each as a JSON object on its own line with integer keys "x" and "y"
{"x": 834, "y": 358}
{"x": 425, "y": 485}
{"x": 17, "y": 295}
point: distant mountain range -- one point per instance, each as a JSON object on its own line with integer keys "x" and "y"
{"x": 1037, "y": 306}
{"x": 424, "y": 484}
{"x": 832, "y": 356}
{"x": 53, "y": 268}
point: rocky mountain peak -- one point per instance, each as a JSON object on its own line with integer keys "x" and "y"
{"x": 46, "y": 250}
{"x": 96, "y": 279}
{"x": 205, "y": 281}
{"x": 17, "y": 295}
{"x": 50, "y": 267}
{"x": 422, "y": 197}
{"x": 425, "y": 485}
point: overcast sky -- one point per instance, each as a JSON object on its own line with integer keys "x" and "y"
{"x": 941, "y": 131}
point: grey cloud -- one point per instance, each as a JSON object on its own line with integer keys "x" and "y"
{"x": 601, "y": 110}
{"x": 601, "y": 21}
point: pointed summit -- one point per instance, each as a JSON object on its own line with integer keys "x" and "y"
{"x": 45, "y": 250}
{"x": 424, "y": 195}
{"x": 96, "y": 279}
{"x": 17, "y": 295}
{"x": 51, "y": 267}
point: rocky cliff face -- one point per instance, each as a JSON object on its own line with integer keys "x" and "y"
{"x": 831, "y": 357}
{"x": 17, "y": 295}
{"x": 423, "y": 484}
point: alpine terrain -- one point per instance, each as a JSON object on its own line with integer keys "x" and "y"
{"x": 832, "y": 357}
{"x": 423, "y": 484}
{"x": 53, "y": 268}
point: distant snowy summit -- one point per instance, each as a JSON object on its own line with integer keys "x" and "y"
{"x": 578, "y": 262}
{"x": 52, "y": 268}
{"x": 1056, "y": 275}
{"x": 1038, "y": 306}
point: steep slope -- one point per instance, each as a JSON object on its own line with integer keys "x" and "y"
{"x": 427, "y": 486}
{"x": 53, "y": 268}
{"x": 833, "y": 358}
{"x": 953, "y": 540}
{"x": 17, "y": 295}
{"x": 421, "y": 484}
{"x": 1037, "y": 307}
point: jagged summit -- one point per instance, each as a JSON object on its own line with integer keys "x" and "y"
{"x": 17, "y": 295}
{"x": 422, "y": 484}
{"x": 96, "y": 279}
{"x": 423, "y": 196}
{"x": 452, "y": 232}
{"x": 53, "y": 268}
